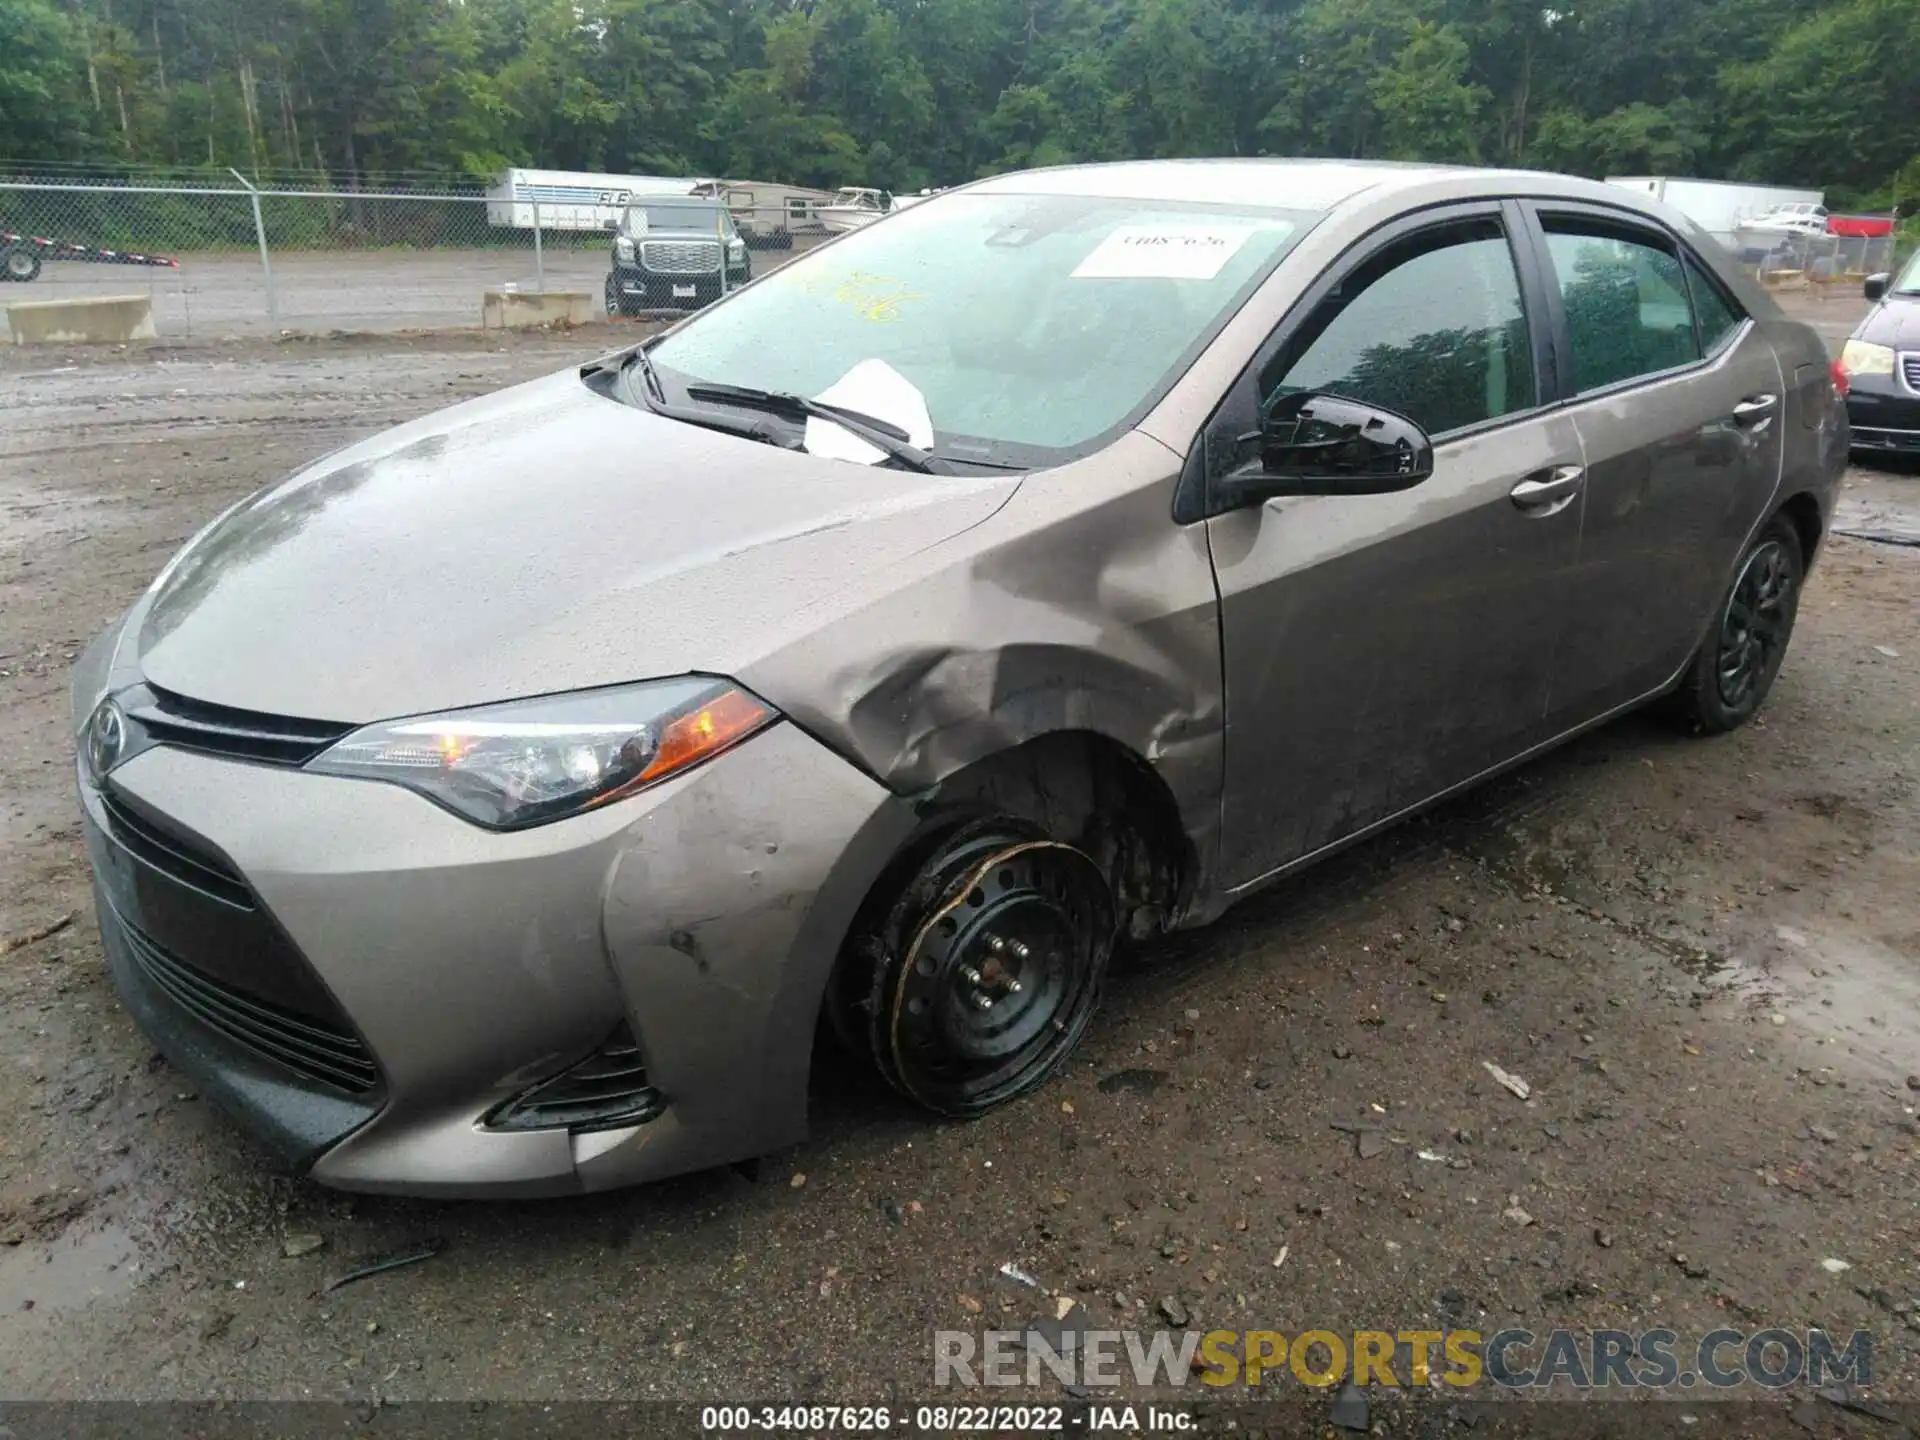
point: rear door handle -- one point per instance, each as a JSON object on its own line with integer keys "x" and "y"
{"x": 1547, "y": 492}
{"x": 1755, "y": 410}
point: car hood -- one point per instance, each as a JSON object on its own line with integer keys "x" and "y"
{"x": 1894, "y": 321}
{"x": 542, "y": 539}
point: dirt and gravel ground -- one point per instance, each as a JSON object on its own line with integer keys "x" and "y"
{"x": 1704, "y": 957}
{"x": 220, "y": 295}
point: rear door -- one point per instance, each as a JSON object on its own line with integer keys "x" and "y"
{"x": 1382, "y": 648}
{"x": 1680, "y": 405}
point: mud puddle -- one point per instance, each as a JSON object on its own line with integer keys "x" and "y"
{"x": 84, "y": 1265}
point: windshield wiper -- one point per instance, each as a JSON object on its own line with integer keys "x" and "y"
{"x": 638, "y": 359}
{"x": 649, "y": 395}
{"x": 881, "y": 434}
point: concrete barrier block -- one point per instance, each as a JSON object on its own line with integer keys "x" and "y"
{"x": 89, "y": 320}
{"x": 525, "y": 309}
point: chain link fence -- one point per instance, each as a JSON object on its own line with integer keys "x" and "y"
{"x": 1813, "y": 260}
{"x": 246, "y": 262}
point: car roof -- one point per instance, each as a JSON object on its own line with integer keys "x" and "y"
{"x": 1294, "y": 184}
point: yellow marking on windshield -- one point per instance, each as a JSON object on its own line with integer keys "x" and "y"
{"x": 876, "y": 298}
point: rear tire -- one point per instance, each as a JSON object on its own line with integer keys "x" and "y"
{"x": 19, "y": 263}
{"x": 1734, "y": 670}
{"x": 974, "y": 978}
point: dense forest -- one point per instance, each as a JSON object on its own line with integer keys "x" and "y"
{"x": 906, "y": 93}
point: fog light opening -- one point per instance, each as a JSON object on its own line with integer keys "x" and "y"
{"x": 608, "y": 1090}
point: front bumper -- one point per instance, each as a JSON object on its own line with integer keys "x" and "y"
{"x": 704, "y": 913}
{"x": 655, "y": 290}
{"x": 1884, "y": 414}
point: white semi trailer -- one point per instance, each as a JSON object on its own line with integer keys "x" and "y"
{"x": 572, "y": 199}
{"x": 1719, "y": 206}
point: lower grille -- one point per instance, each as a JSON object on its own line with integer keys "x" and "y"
{"x": 311, "y": 1050}
{"x": 681, "y": 257}
{"x": 606, "y": 1091}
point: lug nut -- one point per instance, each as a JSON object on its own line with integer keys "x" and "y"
{"x": 996, "y": 944}
{"x": 982, "y": 1002}
{"x": 1013, "y": 987}
{"x": 1020, "y": 951}
{"x": 969, "y": 974}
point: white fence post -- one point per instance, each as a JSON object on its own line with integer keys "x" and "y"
{"x": 266, "y": 262}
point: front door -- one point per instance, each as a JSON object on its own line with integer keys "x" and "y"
{"x": 1679, "y": 404}
{"x": 1382, "y": 649}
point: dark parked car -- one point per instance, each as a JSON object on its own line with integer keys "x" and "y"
{"x": 1880, "y": 365}
{"x": 503, "y": 804}
{"x": 674, "y": 254}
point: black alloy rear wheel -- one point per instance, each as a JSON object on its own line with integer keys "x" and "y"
{"x": 1735, "y": 667}
{"x": 983, "y": 972}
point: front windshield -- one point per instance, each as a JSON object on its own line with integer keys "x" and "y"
{"x": 1909, "y": 281}
{"x": 1034, "y": 326}
{"x": 674, "y": 217}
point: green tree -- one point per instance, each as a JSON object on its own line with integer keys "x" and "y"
{"x": 1427, "y": 109}
{"x": 910, "y": 92}
{"x": 1836, "y": 99}
{"x": 42, "y": 62}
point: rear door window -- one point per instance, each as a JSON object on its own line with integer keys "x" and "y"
{"x": 1719, "y": 317}
{"x": 1624, "y": 296}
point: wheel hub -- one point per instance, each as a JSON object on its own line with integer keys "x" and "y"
{"x": 1001, "y": 973}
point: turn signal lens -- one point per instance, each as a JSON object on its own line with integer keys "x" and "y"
{"x": 725, "y": 720}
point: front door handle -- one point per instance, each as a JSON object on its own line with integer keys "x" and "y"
{"x": 1547, "y": 492}
{"x": 1755, "y": 410}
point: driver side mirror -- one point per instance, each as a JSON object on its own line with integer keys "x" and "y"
{"x": 1876, "y": 286}
{"x": 1330, "y": 445}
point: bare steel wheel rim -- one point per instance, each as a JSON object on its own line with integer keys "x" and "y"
{"x": 999, "y": 981}
{"x": 1758, "y": 619}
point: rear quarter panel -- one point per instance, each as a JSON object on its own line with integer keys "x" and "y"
{"x": 1815, "y": 437}
{"x": 1813, "y": 418}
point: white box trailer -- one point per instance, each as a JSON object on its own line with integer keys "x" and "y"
{"x": 1718, "y": 206}
{"x": 572, "y": 199}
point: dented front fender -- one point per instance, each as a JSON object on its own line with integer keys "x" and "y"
{"x": 1079, "y": 605}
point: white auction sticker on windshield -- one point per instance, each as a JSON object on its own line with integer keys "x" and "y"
{"x": 1163, "y": 252}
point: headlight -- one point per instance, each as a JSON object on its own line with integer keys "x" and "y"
{"x": 736, "y": 249}
{"x": 623, "y": 249}
{"x": 531, "y": 761}
{"x": 1857, "y": 357}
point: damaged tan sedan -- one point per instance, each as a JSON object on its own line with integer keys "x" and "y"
{"x": 504, "y": 804}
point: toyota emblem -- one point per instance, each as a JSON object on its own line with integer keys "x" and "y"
{"x": 106, "y": 737}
